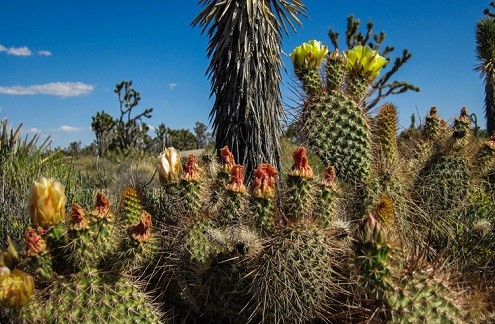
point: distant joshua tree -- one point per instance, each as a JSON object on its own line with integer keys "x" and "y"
{"x": 104, "y": 127}
{"x": 381, "y": 87}
{"x": 244, "y": 49}
{"x": 485, "y": 50}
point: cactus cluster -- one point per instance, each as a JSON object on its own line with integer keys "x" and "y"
{"x": 238, "y": 256}
{"x": 359, "y": 243}
{"x": 78, "y": 266}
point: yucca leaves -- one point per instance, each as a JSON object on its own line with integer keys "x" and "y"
{"x": 244, "y": 51}
{"x": 485, "y": 53}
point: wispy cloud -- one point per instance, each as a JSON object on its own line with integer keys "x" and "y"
{"x": 34, "y": 130}
{"x": 172, "y": 86}
{"x": 45, "y": 53}
{"x": 19, "y": 51}
{"x": 67, "y": 129}
{"x": 22, "y": 51}
{"x": 60, "y": 89}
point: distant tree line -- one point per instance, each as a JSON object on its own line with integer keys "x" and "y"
{"x": 128, "y": 132}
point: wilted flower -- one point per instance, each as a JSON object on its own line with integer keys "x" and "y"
{"x": 385, "y": 210}
{"x": 10, "y": 257}
{"x": 141, "y": 232}
{"x": 330, "y": 175}
{"x": 169, "y": 165}
{"x": 264, "y": 181}
{"x": 236, "y": 183}
{"x": 372, "y": 230}
{"x": 35, "y": 243}
{"x": 191, "y": 169}
{"x": 102, "y": 206}
{"x": 462, "y": 124}
{"x": 365, "y": 61}
{"x": 301, "y": 168}
{"x": 16, "y": 288}
{"x": 308, "y": 55}
{"x": 78, "y": 220}
{"x": 228, "y": 161}
{"x": 47, "y": 203}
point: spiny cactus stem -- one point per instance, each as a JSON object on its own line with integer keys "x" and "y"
{"x": 233, "y": 206}
{"x": 299, "y": 196}
{"x": 264, "y": 210}
{"x": 311, "y": 81}
{"x": 357, "y": 89}
{"x": 325, "y": 205}
{"x": 335, "y": 70}
{"x": 191, "y": 198}
{"x": 41, "y": 265}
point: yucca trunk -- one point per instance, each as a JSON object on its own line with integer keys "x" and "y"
{"x": 490, "y": 103}
{"x": 245, "y": 75}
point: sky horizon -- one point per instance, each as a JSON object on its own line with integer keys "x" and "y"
{"x": 60, "y": 61}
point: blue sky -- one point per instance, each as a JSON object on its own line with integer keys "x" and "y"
{"x": 60, "y": 60}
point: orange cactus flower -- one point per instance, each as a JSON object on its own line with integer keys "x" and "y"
{"x": 237, "y": 178}
{"x": 301, "y": 168}
{"x": 141, "y": 232}
{"x": 102, "y": 206}
{"x": 35, "y": 243}
{"x": 264, "y": 181}
{"x": 192, "y": 172}
{"x": 228, "y": 161}
{"x": 78, "y": 220}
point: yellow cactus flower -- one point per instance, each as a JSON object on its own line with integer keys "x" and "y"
{"x": 16, "y": 288}
{"x": 47, "y": 203}
{"x": 308, "y": 55}
{"x": 365, "y": 61}
{"x": 169, "y": 165}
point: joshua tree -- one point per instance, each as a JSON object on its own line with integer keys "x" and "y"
{"x": 103, "y": 125}
{"x": 244, "y": 48}
{"x": 128, "y": 128}
{"x": 201, "y": 134}
{"x": 485, "y": 50}
{"x": 381, "y": 87}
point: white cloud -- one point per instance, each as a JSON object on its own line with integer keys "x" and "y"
{"x": 172, "y": 86}
{"x": 45, "y": 53}
{"x": 19, "y": 51}
{"x": 34, "y": 130}
{"x": 61, "y": 89}
{"x": 3, "y": 48}
{"x": 68, "y": 129}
